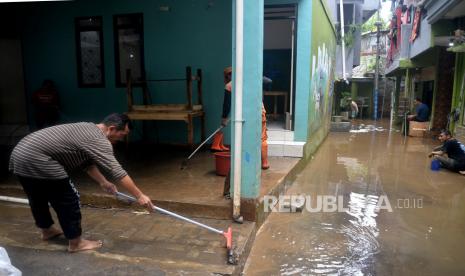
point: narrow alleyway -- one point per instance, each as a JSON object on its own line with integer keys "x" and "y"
{"x": 423, "y": 235}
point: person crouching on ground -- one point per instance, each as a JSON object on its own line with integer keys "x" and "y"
{"x": 455, "y": 160}
{"x": 42, "y": 160}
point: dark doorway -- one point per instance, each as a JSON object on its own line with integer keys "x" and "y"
{"x": 427, "y": 93}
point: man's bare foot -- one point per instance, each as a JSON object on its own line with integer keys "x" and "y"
{"x": 79, "y": 244}
{"x": 50, "y": 233}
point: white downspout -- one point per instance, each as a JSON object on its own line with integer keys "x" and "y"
{"x": 238, "y": 121}
{"x": 14, "y": 199}
{"x": 341, "y": 11}
{"x": 291, "y": 89}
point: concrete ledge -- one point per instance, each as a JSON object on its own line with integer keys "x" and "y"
{"x": 107, "y": 201}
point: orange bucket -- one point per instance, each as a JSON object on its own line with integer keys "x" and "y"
{"x": 223, "y": 162}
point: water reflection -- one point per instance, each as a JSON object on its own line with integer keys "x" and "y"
{"x": 365, "y": 168}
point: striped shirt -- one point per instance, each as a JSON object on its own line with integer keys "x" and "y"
{"x": 52, "y": 152}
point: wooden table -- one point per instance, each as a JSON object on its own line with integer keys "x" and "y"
{"x": 277, "y": 94}
{"x": 171, "y": 112}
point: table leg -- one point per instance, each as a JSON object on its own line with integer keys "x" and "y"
{"x": 190, "y": 132}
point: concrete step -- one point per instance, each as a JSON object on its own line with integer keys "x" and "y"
{"x": 285, "y": 148}
{"x": 280, "y": 135}
{"x": 281, "y": 143}
{"x": 213, "y": 210}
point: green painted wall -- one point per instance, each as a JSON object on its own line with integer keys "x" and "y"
{"x": 322, "y": 74}
{"x": 458, "y": 98}
{"x": 191, "y": 33}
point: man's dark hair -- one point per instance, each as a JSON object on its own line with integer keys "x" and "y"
{"x": 418, "y": 99}
{"x": 118, "y": 120}
{"x": 446, "y": 132}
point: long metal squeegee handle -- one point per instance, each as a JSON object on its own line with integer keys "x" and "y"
{"x": 161, "y": 210}
{"x": 206, "y": 140}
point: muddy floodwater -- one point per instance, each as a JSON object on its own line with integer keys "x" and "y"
{"x": 398, "y": 216}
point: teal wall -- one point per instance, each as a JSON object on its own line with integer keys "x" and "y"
{"x": 302, "y": 70}
{"x": 253, "y": 70}
{"x": 303, "y": 63}
{"x": 191, "y": 33}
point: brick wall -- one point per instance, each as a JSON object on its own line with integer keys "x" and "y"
{"x": 445, "y": 83}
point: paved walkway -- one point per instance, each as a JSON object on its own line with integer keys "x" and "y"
{"x": 135, "y": 243}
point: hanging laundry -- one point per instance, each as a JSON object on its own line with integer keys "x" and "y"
{"x": 416, "y": 24}
{"x": 399, "y": 24}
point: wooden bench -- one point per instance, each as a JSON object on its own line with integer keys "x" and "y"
{"x": 168, "y": 112}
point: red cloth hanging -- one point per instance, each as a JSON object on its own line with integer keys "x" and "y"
{"x": 399, "y": 24}
{"x": 416, "y": 25}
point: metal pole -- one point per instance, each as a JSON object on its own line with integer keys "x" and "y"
{"x": 343, "y": 45}
{"x": 291, "y": 89}
{"x": 206, "y": 140}
{"x": 14, "y": 199}
{"x": 238, "y": 120}
{"x": 376, "y": 91}
{"x": 166, "y": 212}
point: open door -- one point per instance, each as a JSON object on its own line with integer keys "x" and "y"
{"x": 279, "y": 65}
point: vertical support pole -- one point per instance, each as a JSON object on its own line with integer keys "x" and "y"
{"x": 199, "y": 86}
{"x": 189, "y": 87}
{"x": 343, "y": 45}
{"x": 129, "y": 89}
{"x": 200, "y": 101}
{"x": 202, "y": 125}
{"x": 190, "y": 131}
{"x": 376, "y": 91}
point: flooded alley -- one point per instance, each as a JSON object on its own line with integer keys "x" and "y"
{"x": 424, "y": 234}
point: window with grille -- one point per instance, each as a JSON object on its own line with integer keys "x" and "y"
{"x": 129, "y": 47}
{"x": 89, "y": 51}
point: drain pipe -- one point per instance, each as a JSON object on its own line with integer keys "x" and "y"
{"x": 238, "y": 121}
{"x": 341, "y": 11}
{"x": 14, "y": 199}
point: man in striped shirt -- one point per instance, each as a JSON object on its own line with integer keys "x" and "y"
{"x": 42, "y": 160}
